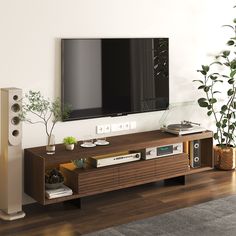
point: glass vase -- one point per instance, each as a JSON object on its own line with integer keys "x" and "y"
{"x": 50, "y": 147}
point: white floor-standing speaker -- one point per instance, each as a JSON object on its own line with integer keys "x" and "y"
{"x": 11, "y": 155}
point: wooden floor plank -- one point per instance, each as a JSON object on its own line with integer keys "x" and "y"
{"x": 121, "y": 206}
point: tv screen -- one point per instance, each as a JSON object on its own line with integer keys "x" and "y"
{"x": 111, "y": 77}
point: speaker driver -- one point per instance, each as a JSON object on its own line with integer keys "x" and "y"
{"x": 15, "y": 120}
{"x": 15, "y": 107}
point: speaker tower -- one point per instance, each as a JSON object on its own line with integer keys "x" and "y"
{"x": 11, "y": 155}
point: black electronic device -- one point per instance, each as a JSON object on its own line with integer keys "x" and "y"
{"x": 195, "y": 154}
{"x": 112, "y": 77}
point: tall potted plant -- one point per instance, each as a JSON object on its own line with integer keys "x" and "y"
{"x": 219, "y": 86}
{"x": 45, "y": 112}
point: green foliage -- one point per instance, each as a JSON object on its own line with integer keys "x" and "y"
{"x": 44, "y": 111}
{"x": 224, "y": 114}
{"x": 70, "y": 140}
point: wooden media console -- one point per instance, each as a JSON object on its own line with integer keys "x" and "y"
{"x": 91, "y": 180}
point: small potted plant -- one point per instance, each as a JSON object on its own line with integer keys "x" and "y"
{"x": 53, "y": 179}
{"x": 70, "y": 142}
{"x": 45, "y": 112}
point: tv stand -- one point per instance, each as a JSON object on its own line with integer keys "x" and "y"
{"x": 91, "y": 180}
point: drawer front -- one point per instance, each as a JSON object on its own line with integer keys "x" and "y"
{"x": 137, "y": 173}
{"x": 172, "y": 165}
{"x": 101, "y": 180}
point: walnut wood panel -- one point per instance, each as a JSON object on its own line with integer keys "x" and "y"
{"x": 130, "y": 174}
{"x": 92, "y": 180}
{"x": 137, "y": 173}
{"x": 172, "y": 165}
{"x": 71, "y": 177}
{"x": 34, "y": 180}
{"x": 206, "y": 152}
{"x": 83, "y": 182}
{"x": 117, "y": 144}
{"x": 102, "y": 181}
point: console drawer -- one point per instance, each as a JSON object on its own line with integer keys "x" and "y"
{"x": 86, "y": 182}
{"x": 171, "y": 165}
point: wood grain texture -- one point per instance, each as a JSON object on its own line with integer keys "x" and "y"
{"x": 121, "y": 206}
{"x": 85, "y": 182}
{"x": 34, "y": 180}
{"x": 117, "y": 144}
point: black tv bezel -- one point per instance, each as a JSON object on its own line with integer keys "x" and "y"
{"x": 111, "y": 114}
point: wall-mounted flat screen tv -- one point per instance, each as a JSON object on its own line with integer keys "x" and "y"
{"x": 114, "y": 76}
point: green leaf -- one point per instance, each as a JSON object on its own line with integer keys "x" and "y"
{"x": 206, "y": 89}
{"x": 213, "y": 77}
{"x": 232, "y": 73}
{"x": 216, "y": 62}
{"x": 216, "y": 92}
{"x": 216, "y": 136}
{"x": 224, "y": 121}
{"x": 197, "y": 80}
{"x": 202, "y": 71}
{"x": 218, "y": 124}
{"x": 224, "y": 108}
{"x": 230, "y": 42}
{"x": 205, "y": 68}
{"x": 230, "y": 92}
{"x": 233, "y": 104}
{"x": 226, "y": 134}
{"x": 201, "y": 87}
{"x": 228, "y": 26}
{"x": 234, "y": 20}
{"x": 223, "y": 126}
{"x": 226, "y": 53}
{"x": 209, "y": 113}
{"x": 212, "y": 100}
{"x": 231, "y": 81}
{"x": 225, "y": 76}
{"x": 231, "y": 127}
{"x": 202, "y": 102}
{"x": 233, "y": 65}
{"x": 209, "y": 107}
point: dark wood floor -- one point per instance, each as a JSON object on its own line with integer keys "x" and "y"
{"x": 121, "y": 206}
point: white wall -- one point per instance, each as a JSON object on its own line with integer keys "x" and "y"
{"x": 30, "y": 46}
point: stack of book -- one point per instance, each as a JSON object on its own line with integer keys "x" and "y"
{"x": 59, "y": 192}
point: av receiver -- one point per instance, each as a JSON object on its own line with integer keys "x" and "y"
{"x": 113, "y": 159}
{"x": 162, "y": 151}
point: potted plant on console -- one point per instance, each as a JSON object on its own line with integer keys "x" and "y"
{"x": 218, "y": 85}
{"x": 70, "y": 142}
{"x": 46, "y": 112}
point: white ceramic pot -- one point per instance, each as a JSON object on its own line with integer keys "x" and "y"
{"x": 70, "y": 147}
